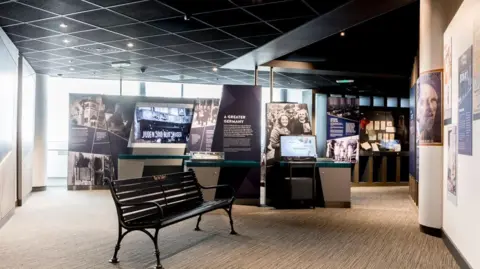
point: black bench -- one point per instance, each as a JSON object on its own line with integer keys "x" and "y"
{"x": 155, "y": 202}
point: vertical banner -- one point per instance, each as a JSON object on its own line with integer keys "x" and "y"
{"x": 465, "y": 103}
{"x": 476, "y": 70}
{"x": 429, "y": 109}
{"x": 203, "y": 124}
{"x": 447, "y": 81}
{"x": 412, "y": 145}
{"x": 284, "y": 119}
{"x": 452, "y": 165}
{"x": 237, "y": 132}
{"x": 343, "y": 115}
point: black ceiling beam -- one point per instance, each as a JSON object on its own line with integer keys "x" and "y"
{"x": 344, "y": 17}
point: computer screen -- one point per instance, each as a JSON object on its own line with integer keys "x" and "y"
{"x": 298, "y": 146}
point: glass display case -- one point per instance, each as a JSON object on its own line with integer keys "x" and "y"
{"x": 207, "y": 156}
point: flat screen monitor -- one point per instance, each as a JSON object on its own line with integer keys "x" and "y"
{"x": 298, "y": 146}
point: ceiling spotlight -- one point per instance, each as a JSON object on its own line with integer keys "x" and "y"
{"x": 70, "y": 61}
{"x": 63, "y": 25}
{"x": 342, "y": 34}
{"x": 215, "y": 69}
{"x": 66, "y": 41}
{"x": 187, "y": 17}
{"x": 72, "y": 69}
{"x": 121, "y": 64}
{"x": 130, "y": 45}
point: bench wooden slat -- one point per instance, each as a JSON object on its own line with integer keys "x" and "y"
{"x": 121, "y": 182}
{"x": 153, "y": 183}
{"x": 140, "y": 192}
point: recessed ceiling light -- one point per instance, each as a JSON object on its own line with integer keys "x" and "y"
{"x": 70, "y": 61}
{"x": 72, "y": 69}
{"x": 63, "y": 25}
{"x": 130, "y": 45}
{"x": 66, "y": 41}
{"x": 342, "y": 81}
{"x": 342, "y": 34}
{"x": 215, "y": 69}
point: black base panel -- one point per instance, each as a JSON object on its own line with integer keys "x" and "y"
{"x": 431, "y": 231}
{"x": 461, "y": 261}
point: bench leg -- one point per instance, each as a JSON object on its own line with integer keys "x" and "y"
{"x": 229, "y": 211}
{"x": 157, "y": 252}
{"x": 198, "y": 222}
{"x": 114, "y": 259}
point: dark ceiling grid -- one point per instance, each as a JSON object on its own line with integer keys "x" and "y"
{"x": 92, "y": 6}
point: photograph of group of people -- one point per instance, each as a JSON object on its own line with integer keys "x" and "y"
{"x": 285, "y": 119}
{"x": 88, "y": 169}
{"x": 205, "y": 112}
{"x": 343, "y": 149}
{"x": 347, "y": 108}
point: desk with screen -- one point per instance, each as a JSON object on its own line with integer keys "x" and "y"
{"x": 289, "y": 179}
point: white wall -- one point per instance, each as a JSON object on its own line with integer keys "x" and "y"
{"x": 461, "y": 222}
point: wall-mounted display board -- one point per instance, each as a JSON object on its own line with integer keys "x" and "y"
{"x": 429, "y": 109}
{"x": 343, "y": 115}
{"x": 447, "y": 81}
{"x": 476, "y": 70}
{"x": 204, "y": 121}
{"x": 413, "y": 141}
{"x": 103, "y": 127}
{"x": 284, "y": 119}
{"x": 465, "y": 103}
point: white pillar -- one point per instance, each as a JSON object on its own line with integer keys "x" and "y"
{"x": 40, "y": 139}
{"x": 435, "y": 16}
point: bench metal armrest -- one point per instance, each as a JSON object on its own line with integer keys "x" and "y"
{"x": 159, "y": 208}
{"x": 219, "y": 186}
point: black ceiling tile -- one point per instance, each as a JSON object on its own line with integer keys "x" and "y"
{"x": 99, "y": 35}
{"x": 46, "y": 71}
{"x": 281, "y": 10}
{"x": 41, "y": 56}
{"x": 71, "y": 69}
{"x": 239, "y": 52}
{"x": 254, "y": 2}
{"x": 98, "y": 59}
{"x": 98, "y": 49}
{"x": 126, "y": 55}
{"x": 66, "y": 52}
{"x": 179, "y": 59}
{"x": 211, "y": 55}
{"x": 177, "y": 25}
{"x": 25, "y": 50}
{"x": 137, "y": 30}
{"x": 27, "y": 30}
{"x": 198, "y": 64}
{"x": 165, "y": 40}
{"x": 195, "y": 81}
{"x": 190, "y": 48}
{"x": 123, "y": 44}
{"x": 323, "y": 7}
{"x": 54, "y": 24}
{"x": 160, "y": 73}
{"x": 227, "y": 17}
{"x": 156, "y": 52}
{"x": 66, "y": 40}
{"x": 36, "y": 45}
{"x": 101, "y": 18}
{"x": 261, "y": 40}
{"x": 228, "y": 44}
{"x": 290, "y": 24}
{"x": 96, "y": 66}
{"x": 222, "y": 61}
{"x": 148, "y": 61}
{"x": 145, "y": 11}
{"x": 254, "y": 29}
{"x": 16, "y": 38}
{"x": 168, "y": 66}
{"x": 107, "y": 3}
{"x": 46, "y": 64}
{"x": 192, "y": 6}
{"x": 69, "y": 61}
{"x": 61, "y": 7}
{"x": 19, "y": 12}
{"x": 5, "y": 22}
{"x": 205, "y": 75}
{"x": 187, "y": 71}
{"x": 206, "y": 35}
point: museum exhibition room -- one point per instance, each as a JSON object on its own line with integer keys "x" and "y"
{"x": 242, "y": 134}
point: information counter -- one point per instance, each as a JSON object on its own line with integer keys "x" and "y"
{"x": 243, "y": 176}
{"x": 332, "y": 184}
{"x": 139, "y": 165}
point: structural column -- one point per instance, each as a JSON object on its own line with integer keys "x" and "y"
{"x": 435, "y": 16}
{"x": 40, "y": 136}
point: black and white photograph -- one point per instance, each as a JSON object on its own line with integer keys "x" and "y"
{"x": 347, "y": 108}
{"x": 343, "y": 149}
{"x": 86, "y": 169}
{"x": 161, "y": 123}
{"x": 205, "y": 113}
{"x": 285, "y": 119}
{"x": 452, "y": 165}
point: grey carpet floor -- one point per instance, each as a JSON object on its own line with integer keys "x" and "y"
{"x": 60, "y": 229}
